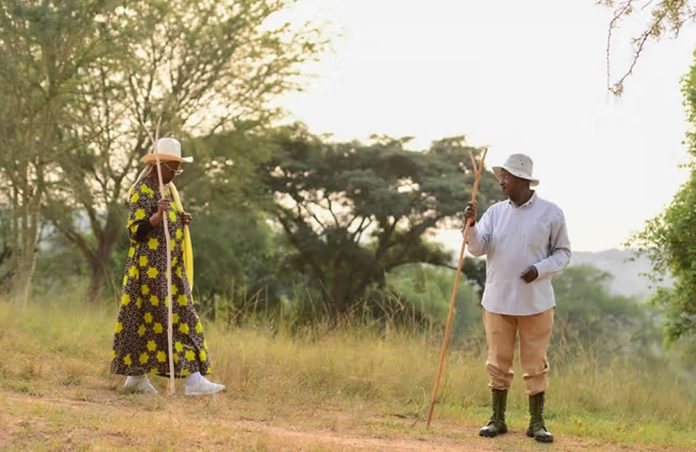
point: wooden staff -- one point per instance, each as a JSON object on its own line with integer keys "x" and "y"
{"x": 477, "y": 176}
{"x": 165, "y": 224}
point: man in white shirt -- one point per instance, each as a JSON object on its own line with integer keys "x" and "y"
{"x": 525, "y": 241}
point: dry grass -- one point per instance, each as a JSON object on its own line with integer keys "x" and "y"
{"x": 354, "y": 389}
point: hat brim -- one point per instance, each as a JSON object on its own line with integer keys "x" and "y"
{"x": 497, "y": 170}
{"x": 152, "y": 158}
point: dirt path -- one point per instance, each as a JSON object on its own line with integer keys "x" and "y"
{"x": 106, "y": 420}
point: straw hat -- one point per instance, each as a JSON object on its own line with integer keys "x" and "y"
{"x": 518, "y": 165}
{"x": 168, "y": 150}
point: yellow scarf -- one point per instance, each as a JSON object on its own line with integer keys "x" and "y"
{"x": 186, "y": 246}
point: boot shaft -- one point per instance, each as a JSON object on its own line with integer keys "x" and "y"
{"x": 536, "y": 410}
{"x": 499, "y": 404}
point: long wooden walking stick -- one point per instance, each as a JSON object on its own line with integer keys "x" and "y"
{"x": 443, "y": 350}
{"x": 165, "y": 224}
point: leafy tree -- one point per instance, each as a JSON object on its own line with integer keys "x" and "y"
{"x": 44, "y": 46}
{"x": 233, "y": 241}
{"x": 201, "y": 67}
{"x": 588, "y": 313}
{"x": 234, "y": 250}
{"x": 670, "y": 241}
{"x": 353, "y": 212}
{"x": 425, "y": 291}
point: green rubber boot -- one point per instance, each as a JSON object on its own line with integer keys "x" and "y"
{"x": 537, "y": 429}
{"x": 496, "y": 426}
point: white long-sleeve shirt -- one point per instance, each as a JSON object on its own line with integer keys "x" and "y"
{"x": 513, "y": 238}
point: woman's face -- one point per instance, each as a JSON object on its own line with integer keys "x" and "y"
{"x": 169, "y": 171}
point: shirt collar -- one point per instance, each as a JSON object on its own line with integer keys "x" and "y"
{"x": 529, "y": 202}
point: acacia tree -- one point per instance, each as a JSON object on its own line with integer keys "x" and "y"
{"x": 666, "y": 17}
{"x": 43, "y": 47}
{"x": 200, "y": 67}
{"x": 353, "y": 212}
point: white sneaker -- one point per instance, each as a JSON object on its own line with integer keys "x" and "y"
{"x": 139, "y": 384}
{"x": 196, "y": 384}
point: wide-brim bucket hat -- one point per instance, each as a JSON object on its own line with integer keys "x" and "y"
{"x": 518, "y": 165}
{"x": 167, "y": 150}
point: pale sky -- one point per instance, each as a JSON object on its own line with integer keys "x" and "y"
{"x": 521, "y": 76}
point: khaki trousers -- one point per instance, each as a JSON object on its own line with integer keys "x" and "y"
{"x": 534, "y": 332}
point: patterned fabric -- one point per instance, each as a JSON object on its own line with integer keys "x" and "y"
{"x": 140, "y": 340}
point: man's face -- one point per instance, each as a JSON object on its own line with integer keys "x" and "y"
{"x": 511, "y": 185}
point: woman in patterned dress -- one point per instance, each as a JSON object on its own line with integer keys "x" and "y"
{"x": 140, "y": 340}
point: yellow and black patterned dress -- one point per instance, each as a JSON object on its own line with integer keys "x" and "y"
{"x": 140, "y": 340}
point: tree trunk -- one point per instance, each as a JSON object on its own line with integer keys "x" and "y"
{"x": 342, "y": 295}
{"x": 100, "y": 260}
{"x": 339, "y": 297}
{"x": 25, "y": 237}
{"x": 97, "y": 282}
{"x": 21, "y": 281}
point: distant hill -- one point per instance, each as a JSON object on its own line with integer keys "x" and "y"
{"x": 629, "y": 274}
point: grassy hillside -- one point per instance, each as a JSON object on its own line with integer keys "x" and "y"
{"x": 354, "y": 389}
